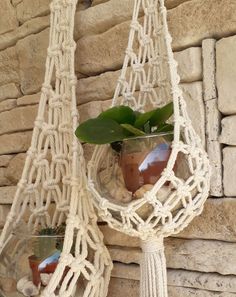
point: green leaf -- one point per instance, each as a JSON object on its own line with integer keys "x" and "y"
{"x": 120, "y": 114}
{"x": 164, "y": 128}
{"x": 100, "y": 131}
{"x": 143, "y": 118}
{"x": 161, "y": 115}
{"x": 133, "y": 130}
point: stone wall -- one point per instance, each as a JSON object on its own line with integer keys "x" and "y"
{"x": 201, "y": 260}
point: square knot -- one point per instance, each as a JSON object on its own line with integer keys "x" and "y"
{"x": 65, "y": 127}
{"x": 50, "y": 184}
{"x": 137, "y": 67}
{"x": 40, "y": 161}
{"x": 128, "y": 95}
{"x": 30, "y": 189}
{"x": 63, "y": 206}
{"x": 78, "y": 264}
{"x": 135, "y": 25}
{"x": 158, "y": 32}
{"x": 183, "y": 190}
{"x": 66, "y": 259}
{"x": 130, "y": 53}
{"x": 53, "y": 51}
{"x": 40, "y": 212}
{"x": 59, "y": 158}
{"x": 145, "y": 40}
{"x": 150, "y": 10}
{"x": 48, "y": 129}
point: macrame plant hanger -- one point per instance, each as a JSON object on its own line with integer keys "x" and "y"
{"x": 55, "y": 172}
{"x": 149, "y": 79}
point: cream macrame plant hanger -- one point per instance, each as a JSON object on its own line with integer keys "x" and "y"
{"x": 55, "y": 172}
{"x": 149, "y": 78}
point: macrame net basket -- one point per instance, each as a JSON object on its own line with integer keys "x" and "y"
{"x": 53, "y": 186}
{"x": 149, "y": 79}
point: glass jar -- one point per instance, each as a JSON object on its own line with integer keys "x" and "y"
{"x": 143, "y": 159}
{"x": 28, "y": 262}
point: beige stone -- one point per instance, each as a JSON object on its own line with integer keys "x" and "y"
{"x": 182, "y": 278}
{"x": 209, "y": 69}
{"x": 28, "y": 99}
{"x": 32, "y": 54}
{"x": 28, "y": 9}
{"x": 226, "y": 73}
{"x": 9, "y": 91}
{"x": 216, "y": 222}
{"x": 96, "y": 2}
{"x": 5, "y": 159}
{"x": 9, "y": 66}
{"x": 4, "y": 181}
{"x": 8, "y": 20}
{"x": 90, "y": 110}
{"x": 30, "y": 27}
{"x": 188, "y": 254}
{"x": 4, "y": 210}
{"x": 102, "y": 87}
{"x": 18, "y": 119}
{"x": 15, "y": 143}
{"x": 194, "y": 99}
{"x": 15, "y": 168}
{"x": 7, "y": 105}
{"x": 123, "y": 287}
{"x": 228, "y": 130}
{"x": 7, "y": 194}
{"x": 213, "y": 120}
{"x": 229, "y": 160}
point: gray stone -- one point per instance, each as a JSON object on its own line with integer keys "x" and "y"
{"x": 15, "y": 143}
{"x": 8, "y": 20}
{"x": 28, "y": 99}
{"x": 15, "y": 168}
{"x": 30, "y": 27}
{"x": 188, "y": 255}
{"x": 18, "y": 119}
{"x": 7, "y": 105}
{"x": 182, "y": 278}
{"x": 102, "y": 87}
{"x": 228, "y": 135}
{"x": 9, "y": 66}
{"x": 7, "y": 194}
{"x": 28, "y": 9}
{"x": 229, "y": 160}
{"x": 226, "y": 73}
{"x": 9, "y": 91}
{"x": 4, "y": 160}
{"x": 32, "y": 52}
{"x": 209, "y": 68}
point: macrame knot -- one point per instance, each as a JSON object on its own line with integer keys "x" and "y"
{"x": 66, "y": 259}
{"x": 148, "y": 88}
{"x": 135, "y": 25}
{"x": 150, "y": 10}
{"x": 152, "y": 245}
{"x": 137, "y": 67}
{"x": 40, "y": 212}
{"x": 145, "y": 40}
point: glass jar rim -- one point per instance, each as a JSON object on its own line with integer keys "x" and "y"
{"x": 149, "y": 135}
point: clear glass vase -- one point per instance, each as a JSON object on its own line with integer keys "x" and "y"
{"x": 143, "y": 159}
{"x": 28, "y": 262}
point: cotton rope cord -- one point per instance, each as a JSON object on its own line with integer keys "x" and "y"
{"x": 149, "y": 79}
{"x": 55, "y": 173}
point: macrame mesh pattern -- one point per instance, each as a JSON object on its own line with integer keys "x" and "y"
{"x": 149, "y": 79}
{"x": 53, "y": 187}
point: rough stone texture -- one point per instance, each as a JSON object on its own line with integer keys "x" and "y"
{"x": 7, "y": 105}
{"x": 15, "y": 143}
{"x": 8, "y": 20}
{"x": 4, "y": 210}
{"x": 28, "y": 99}
{"x": 15, "y": 167}
{"x": 102, "y": 87}
{"x": 213, "y": 120}
{"x": 228, "y": 135}
{"x": 229, "y": 160}
{"x": 28, "y": 9}
{"x": 182, "y": 278}
{"x": 209, "y": 69}
{"x": 9, "y": 91}
{"x": 225, "y": 74}
{"x": 216, "y": 222}
{"x": 195, "y": 107}
{"x": 214, "y": 149}
{"x": 7, "y": 194}
{"x": 32, "y": 51}
{"x": 123, "y": 287}
{"x": 31, "y": 27}
{"x": 25, "y": 119}
{"x": 4, "y": 181}
{"x": 188, "y": 254}
{"x": 9, "y": 66}
{"x": 4, "y": 160}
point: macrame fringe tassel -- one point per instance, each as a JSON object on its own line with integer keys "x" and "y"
{"x": 153, "y": 281}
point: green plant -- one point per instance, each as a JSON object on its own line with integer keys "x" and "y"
{"x": 48, "y": 241}
{"x": 121, "y": 122}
